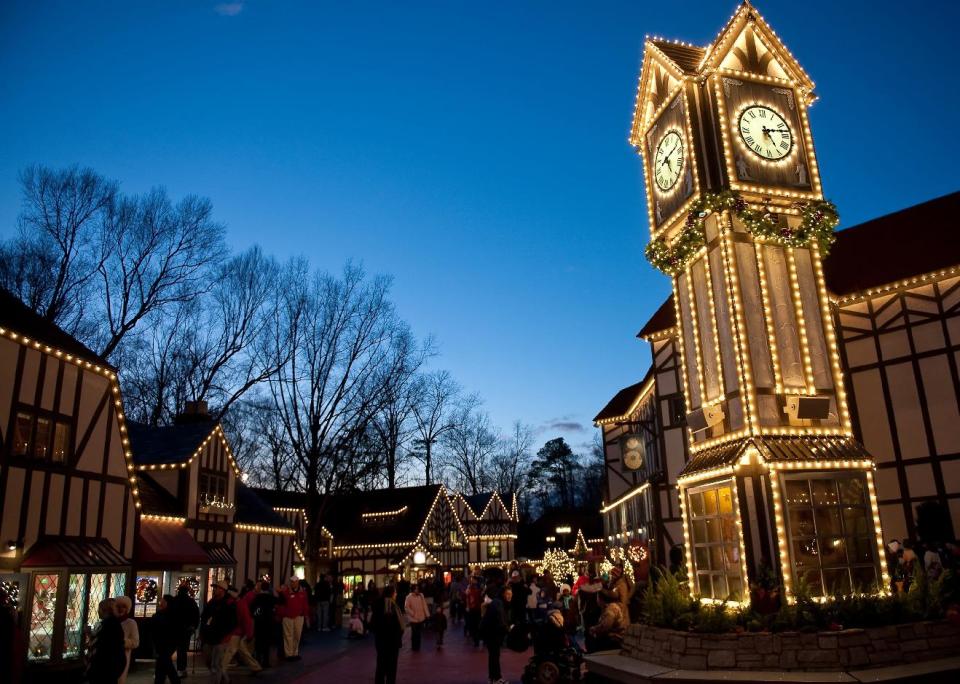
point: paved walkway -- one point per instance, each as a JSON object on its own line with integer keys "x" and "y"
{"x": 330, "y": 658}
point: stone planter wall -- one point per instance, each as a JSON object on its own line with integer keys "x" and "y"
{"x": 845, "y": 650}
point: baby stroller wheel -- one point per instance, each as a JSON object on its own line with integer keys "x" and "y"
{"x": 548, "y": 673}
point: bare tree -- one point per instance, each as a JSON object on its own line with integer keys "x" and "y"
{"x": 394, "y": 426}
{"x": 338, "y": 343}
{"x": 438, "y": 399}
{"x": 469, "y": 447}
{"x": 155, "y": 254}
{"x": 511, "y": 463}
{"x": 212, "y": 348}
{"x": 57, "y": 252}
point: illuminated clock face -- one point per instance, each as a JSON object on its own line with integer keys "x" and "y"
{"x": 668, "y": 161}
{"x": 633, "y": 453}
{"x": 765, "y": 133}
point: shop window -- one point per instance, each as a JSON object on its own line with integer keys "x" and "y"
{"x": 41, "y": 436}
{"x": 119, "y": 583}
{"x": 213, "y": 488}
{"x": 147, "y": 595}
{"x": 493, "y": 550}
{"x": 42, "y": 616}
{"x": 716, "y": 542}
{"x": 74, "y": 624}
{"x": 832, "y": 543}
{"x": 97, "y": 593}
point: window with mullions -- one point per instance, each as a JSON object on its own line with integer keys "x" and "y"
{"x": 41, "y": 436}
{"x": 832, "y": 542}
{"x": 716, "y": 542}
{"x": 213, "y": 487}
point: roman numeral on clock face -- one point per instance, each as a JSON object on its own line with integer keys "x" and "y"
{"x": 765, "y": 132}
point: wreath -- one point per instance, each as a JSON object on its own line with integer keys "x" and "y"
{"x": 146, "y": 590}
{"x": 819, "y": 218}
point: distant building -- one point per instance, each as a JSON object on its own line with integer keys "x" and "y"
{"x": 490, "y": 521}
{"x": 200, "y": 524}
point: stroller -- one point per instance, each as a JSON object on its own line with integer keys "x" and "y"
{"x": 556, "y": 658}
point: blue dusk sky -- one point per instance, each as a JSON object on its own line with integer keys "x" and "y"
{"x": 477, "y": 151}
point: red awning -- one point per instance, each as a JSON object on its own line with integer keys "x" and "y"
{"x": 162, "y": 543}
{"x": 73, "y": 552}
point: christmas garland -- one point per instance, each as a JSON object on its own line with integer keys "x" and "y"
{"x": 818, "y": 220}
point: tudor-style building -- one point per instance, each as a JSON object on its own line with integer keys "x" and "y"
{"x": 752, "y": 430}
{"x": 200, "y": 523}
{"x": 382, "y": 534}
{"x": 490, "y": 521}
{"x": 67, "y": 486}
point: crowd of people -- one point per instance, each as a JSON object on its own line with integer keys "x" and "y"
{"x": 258, "y": 625}
{"x": 517, "y": 610}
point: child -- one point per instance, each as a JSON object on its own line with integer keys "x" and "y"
{"x": 439, "y": 624}
{"x": 356, "y": 625}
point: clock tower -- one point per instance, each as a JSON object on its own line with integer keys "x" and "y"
{"x": 739, "y": 223}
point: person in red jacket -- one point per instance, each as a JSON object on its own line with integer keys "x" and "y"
{"x": 242, "y": 633}
{"x": 293, "y": 609}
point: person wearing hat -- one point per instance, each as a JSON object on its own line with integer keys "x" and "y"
{"x": 131, "y": 635}
{"x": 608, "y": 633}
{"x": 242, "y": 635}
{"x": 293, "y": 610}
{"x": 218, "y": 620}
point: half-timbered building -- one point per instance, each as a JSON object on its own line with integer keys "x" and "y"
{"x": 898, "y": 325}
{"x": 382, "y": 534}
{"x": 379, "y": 535}
{"x": 490, "y": 522}
{"x": 67, "y": 486}
{"x": 200, "y": 523}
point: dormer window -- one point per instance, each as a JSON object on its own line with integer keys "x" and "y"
{"x": 212, "y": 493}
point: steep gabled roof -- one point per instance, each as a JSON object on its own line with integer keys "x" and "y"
{"x": 913, "y": 241}
{"x": 392, "y": 515}
{"x": 156, "y": 500}
{"x": 18, "y": 317}
{"x": 253, "y": 510}
{"x": 686, "y": 57}
{"x": 167, "y": 444}
{"x": 478, "y": 502}
{"x": 624, "y": 401}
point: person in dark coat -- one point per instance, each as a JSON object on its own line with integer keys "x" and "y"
{"x": 106, "y": 655}
{"x": 166, "y": 631}
{"x": 494, "y": 627}
{"x": 518, "y": 604}
{"x": 186, "y": 614}
{"x": 387, "y": 625}
{"x": 264, "y": 618}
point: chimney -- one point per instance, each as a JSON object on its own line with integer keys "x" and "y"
{"x": 193, "y": 412}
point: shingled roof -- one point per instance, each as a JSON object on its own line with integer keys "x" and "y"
{"x": 343, "y": 514}
{"x": 686, "y": 57}
{"x": 251, "y": 509}
{"x": 623, "y": 400}
{"x": 167, "y": 444}
{"x": 864, "y": 257}
{"x": 18, "y": 317}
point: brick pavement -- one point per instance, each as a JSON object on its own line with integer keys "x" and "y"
{"x": 330, "y": 658}
{"x": 457, "y": 661}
